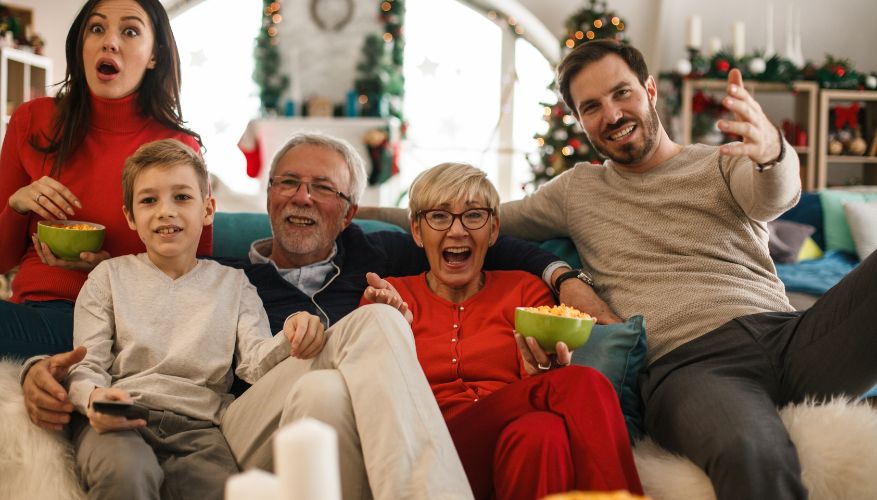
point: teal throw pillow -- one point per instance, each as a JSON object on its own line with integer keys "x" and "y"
{"x": 618, "y": 351}
{"x": 563, "y": 248}
{"x": 837, "y": 229}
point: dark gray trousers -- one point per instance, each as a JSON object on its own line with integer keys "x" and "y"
{"x": 715, "y": 398}
{"x": 173, "y": 457}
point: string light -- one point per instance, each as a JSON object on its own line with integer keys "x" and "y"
{"x": 540, "y": 142}
{"x": 598, "y": 23}
{"x": 570, "y": 43}
{"x": 579, "y": 35}
{"x": 590, "y": 35}
{"x": 386, "y": 6}
{"x": 620, "y": 26}
{"x": 568, "y": 120}
{"x": 363, "y": 99}
{"x": 615, "y": 21}
{"x": 388, "y": 37}
{"x": 567, "y": 151}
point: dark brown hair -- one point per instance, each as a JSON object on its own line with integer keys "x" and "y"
{"x": 165, "y": 153}
{"x": 158, "y": 96}
{"x": 591, "y": 52}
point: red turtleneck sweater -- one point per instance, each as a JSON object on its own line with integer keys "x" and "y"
{"x": 93, "y": 174}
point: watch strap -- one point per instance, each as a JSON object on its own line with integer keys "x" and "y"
{"x": 579, "y": 274}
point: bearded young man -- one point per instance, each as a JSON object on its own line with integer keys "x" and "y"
{"x": 679, "y": 234}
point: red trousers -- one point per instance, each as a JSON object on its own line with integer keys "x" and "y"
{"x": 550, "y": 433}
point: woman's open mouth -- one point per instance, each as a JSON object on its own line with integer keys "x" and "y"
{"x": 456, "y": 255}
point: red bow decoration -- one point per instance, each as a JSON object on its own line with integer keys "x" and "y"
{"x": 846, "y": 116}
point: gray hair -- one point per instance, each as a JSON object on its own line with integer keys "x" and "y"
{"x": 355, "y": 163}
{"x": 450, "y": 182}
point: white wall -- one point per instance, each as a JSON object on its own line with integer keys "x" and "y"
{"x": 843, "y": 28}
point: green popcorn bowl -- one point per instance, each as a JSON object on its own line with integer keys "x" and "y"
{"x": 66, "y": 242}
{"x": 549, "y": 329}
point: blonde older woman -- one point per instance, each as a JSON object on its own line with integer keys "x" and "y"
{"x": 521, "y": 431}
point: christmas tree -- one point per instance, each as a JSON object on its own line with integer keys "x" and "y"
{"x": 267, "y": 59}
{"x": 379, "y": 82}
{"x": 373, "y": 77}
{"x": 565, "y": 144}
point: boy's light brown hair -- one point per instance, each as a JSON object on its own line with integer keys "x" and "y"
{"x": 160, "y": 154}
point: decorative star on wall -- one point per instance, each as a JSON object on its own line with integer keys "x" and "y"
{"x": 198, "y": 57}
{"x": 428, "y": 67}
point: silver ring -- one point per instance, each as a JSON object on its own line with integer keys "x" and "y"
{"x": 544, "y": 368}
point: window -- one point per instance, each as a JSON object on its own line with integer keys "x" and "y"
{"x": 215, "y": 40}
{"x": 456, "y": 93}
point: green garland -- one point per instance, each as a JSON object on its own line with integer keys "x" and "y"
{"x": 380, "y": 81}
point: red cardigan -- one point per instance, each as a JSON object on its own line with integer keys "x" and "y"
{"x": 93, "y": 174}
{"x": 468, "y": 350}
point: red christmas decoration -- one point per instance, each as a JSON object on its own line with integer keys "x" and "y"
{"x": 723, "y": 65}
{"x": 575, "y": 143}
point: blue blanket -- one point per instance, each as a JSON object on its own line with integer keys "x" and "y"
{"x": 817, "y": 276}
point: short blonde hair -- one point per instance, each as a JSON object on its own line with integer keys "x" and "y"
{"x": 162, "y": 154}
{"x": 448, "y": 183}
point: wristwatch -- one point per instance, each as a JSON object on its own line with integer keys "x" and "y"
{"x": 761, "y": 167}
{"x": 579, "y": 274}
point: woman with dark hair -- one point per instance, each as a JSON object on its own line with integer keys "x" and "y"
{"x": 62, "y": 158}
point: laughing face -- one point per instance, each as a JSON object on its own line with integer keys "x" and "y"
{"x": 616, "y": 111}
{"x": 455, "y": 255}
{"x": 305, "y": 229}
{"x": 169, "y": 213}
{"x": 118, "y": 48}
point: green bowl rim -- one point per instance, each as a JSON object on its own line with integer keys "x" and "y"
{"x": 524, "y": 309}
{"x": 100, "y": 227}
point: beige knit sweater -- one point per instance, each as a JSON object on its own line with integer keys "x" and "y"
{"x": 685, "y": 244}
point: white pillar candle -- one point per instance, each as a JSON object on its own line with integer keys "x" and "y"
{"x": 739, "y": 39}
{"x": 254, "y": 484}
{"x": 768, "y": 19}
{"x": 306, "y": 461}
{"x": 694, "y": 33}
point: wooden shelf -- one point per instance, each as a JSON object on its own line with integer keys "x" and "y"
{"x": 805, "y": 92}
{"x": 827, "y": 97}
{"x": 23, "y": 76}
{"x": 850, "y": 159}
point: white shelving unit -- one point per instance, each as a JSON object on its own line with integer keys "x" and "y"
{"x": 23, "y": 76}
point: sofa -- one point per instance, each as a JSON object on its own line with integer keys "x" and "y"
{"x": 815, "y": 245}
{"x": 832, "y": 437}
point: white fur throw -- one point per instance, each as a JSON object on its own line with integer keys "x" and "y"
{"x": 34, "y": 464}
{"x": 837, "y": 443}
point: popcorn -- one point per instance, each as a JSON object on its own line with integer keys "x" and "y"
{"x": 562, "y": 310}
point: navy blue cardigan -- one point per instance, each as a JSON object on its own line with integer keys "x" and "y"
{"x": 386, "y": 253}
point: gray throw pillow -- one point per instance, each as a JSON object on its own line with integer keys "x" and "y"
{"x": 786, "y": 240}
{"x": 862, "y": 219}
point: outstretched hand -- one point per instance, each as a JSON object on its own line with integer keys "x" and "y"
{"x": 381, "y": 291}
{"x": 761, "y": 141}
{"x": 44, "y": 398}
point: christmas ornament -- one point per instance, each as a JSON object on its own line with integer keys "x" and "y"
{"x": 757, "y": 66}
{"x": 857, "y": 146}
{"x": 683, "y": 67}
{"x": 723, "y": 65}
{"x": 560, "y": 135}
{"x": 835, "y": 147}
{"x": 871, "y": 81}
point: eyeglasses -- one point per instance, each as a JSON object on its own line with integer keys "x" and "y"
{"x": 442, "y": 220}
{"x": 319, "y": 191}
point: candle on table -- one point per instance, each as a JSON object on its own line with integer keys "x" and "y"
{"x": 739, "y": 39}
{"x": 694, "y": 33}
{"x": 769, "y": 50}
{"x": 715, "y": 45}
{"x": 252, "y": 485}
{"x": 306, "y": 461}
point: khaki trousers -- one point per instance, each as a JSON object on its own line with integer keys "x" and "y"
{"x": 367, "y": 384}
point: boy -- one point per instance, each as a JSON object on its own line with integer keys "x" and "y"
{"x": 161, "y": 329}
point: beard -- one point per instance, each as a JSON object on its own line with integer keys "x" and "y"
{"x": 632, "y": 152}
{"x": 305, "y": 240}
